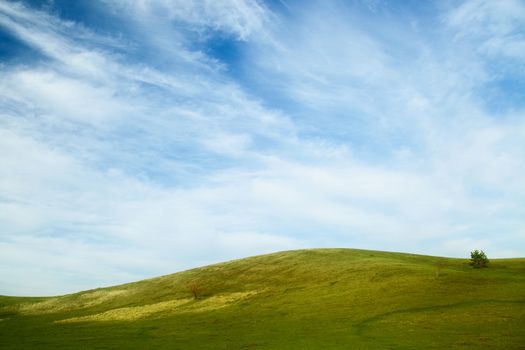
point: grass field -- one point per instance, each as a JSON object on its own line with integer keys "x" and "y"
{"x": 305, "y": 299}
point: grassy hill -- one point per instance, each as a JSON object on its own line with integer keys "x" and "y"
{"x": 306, "y": 299}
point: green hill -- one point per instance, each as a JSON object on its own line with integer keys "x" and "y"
{"x": 306, "y": 299}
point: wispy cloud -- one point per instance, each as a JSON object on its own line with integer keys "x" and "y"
{"x": 495, "y": 27}
{"x": 240, "y": 18}
{"x": 142, "y": 151}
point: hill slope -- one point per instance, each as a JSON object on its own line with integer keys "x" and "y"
{"x": 307, "y": 299}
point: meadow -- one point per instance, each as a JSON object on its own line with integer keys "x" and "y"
{"x": 304, "y": 299}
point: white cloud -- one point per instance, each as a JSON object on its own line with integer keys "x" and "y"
{"x": 495, "y": 26}
{"x": 321, "y": 64}
{"x": 238, "y": 17}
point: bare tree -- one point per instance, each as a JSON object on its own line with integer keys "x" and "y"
{"x": 440, "y": 265}
{"x": 195, "y": 290}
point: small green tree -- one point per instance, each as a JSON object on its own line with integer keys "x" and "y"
{"x": 478, "y": 259}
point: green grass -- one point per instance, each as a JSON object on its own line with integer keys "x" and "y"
{"x": 306, "y": 299}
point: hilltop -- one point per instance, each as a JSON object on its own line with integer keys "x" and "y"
{"x": 305, "y": 299}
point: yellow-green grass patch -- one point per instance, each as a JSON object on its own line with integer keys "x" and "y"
{"x": 164, "y": 308}
{"x": 66, "y": 303}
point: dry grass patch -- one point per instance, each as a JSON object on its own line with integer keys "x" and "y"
{"x": 82, "y": 301}
{"x": 219, "y": 301}
{"x": 186, "y": 305}
{"x": 129, "y": 313}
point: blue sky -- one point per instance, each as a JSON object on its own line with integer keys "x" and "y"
{"x": 143, "y": 138}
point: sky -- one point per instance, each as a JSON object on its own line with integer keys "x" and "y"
{"x": 140, "y": 138}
